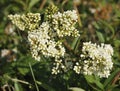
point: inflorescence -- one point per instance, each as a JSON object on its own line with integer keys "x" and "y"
{"x": 28, "y": 21}
{"x": 95, "y": 60}
{"x": 45, "y": 40}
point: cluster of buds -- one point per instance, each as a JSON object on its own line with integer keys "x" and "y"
{"x": 27, "y": 21}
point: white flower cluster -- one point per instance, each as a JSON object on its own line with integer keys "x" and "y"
{"x": 41, "y": 43}
{"x": 64, "y": 23}
{"x": 44, "y": 39}
{"x": 77, "y": 68}
{"x": 57, "y": 66}
{"x": 26, "y": 21}
{"x": 16, "y": 20}
{"x": 97, "y": 59}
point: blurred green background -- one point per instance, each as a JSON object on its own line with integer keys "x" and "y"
{"x": 99, "y": 21}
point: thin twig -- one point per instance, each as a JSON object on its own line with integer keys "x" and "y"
{"x": 67, "y": 46}
{"x": 79, "y": 20}
{"x": 42, "y": 4}
{"x": 3, "y": 87}
{"x": 8, "y": 86}
{"x": 17, "y": 80}
{"x": 116, "y": 78}
{"x": 65, "y": 1}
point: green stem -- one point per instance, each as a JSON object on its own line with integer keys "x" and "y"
{"x": 33, "y": 77}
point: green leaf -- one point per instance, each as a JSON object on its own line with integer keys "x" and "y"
{"x": 99, "y": 84}
{"x": 90, "y": 78}
{"x": 93, "y": 79}
{"x": 76, "y": 89}
{"x": 75, "y": 44}
{"x": 32, "y": 3}
{"x": 22, "y": 3}
{"x": 18, "y": 87}
{"x": 108, "y": 26}
{"x": 22, "y": 64}
{"x": 117, "y": 42}
{"x": 111, "y": 87}
{"x": 100, "y": 36}
{"x": 96, "y": 25}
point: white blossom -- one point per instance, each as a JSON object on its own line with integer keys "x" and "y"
{"x": 44, "y": 40}
{"x": 42, "y": 43}
{"x": 58, "y": 66}
{"x": 77, "y": 68}
{"x": 98, "y": 60}
{"x": 64, "y": 23}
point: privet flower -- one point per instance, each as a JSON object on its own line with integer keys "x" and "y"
{"x": 42, "y": 43}
{"x": 58, "y": 66}
{"x": 64, "y": 23}
{"x": 28, "y": 21}
{"x": 44, "y": 39}
{"x": 97, "y": 59}
{"x": 16, "y": 19}
{"x": 52, "y": 9}
{"x": 77, "y": 68}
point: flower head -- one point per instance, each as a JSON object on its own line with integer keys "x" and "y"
{"x": 28, "y": 21}
{"x": 64, "y": 23}
{"x": 97, "y": 59}
{"x": 42, "y": 43}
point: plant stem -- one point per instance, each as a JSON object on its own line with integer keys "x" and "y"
{"x": 42, "y": 5}
{"x": 17, "y": 80}
{"x": 68, "y": 47}
{"x": 116, "y": 78}
{"x": 33, "y": 77}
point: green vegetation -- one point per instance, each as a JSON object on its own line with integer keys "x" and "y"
{"x": 98, "y": 22}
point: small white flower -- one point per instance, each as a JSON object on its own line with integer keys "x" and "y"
{"x": 77, "y": 68}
